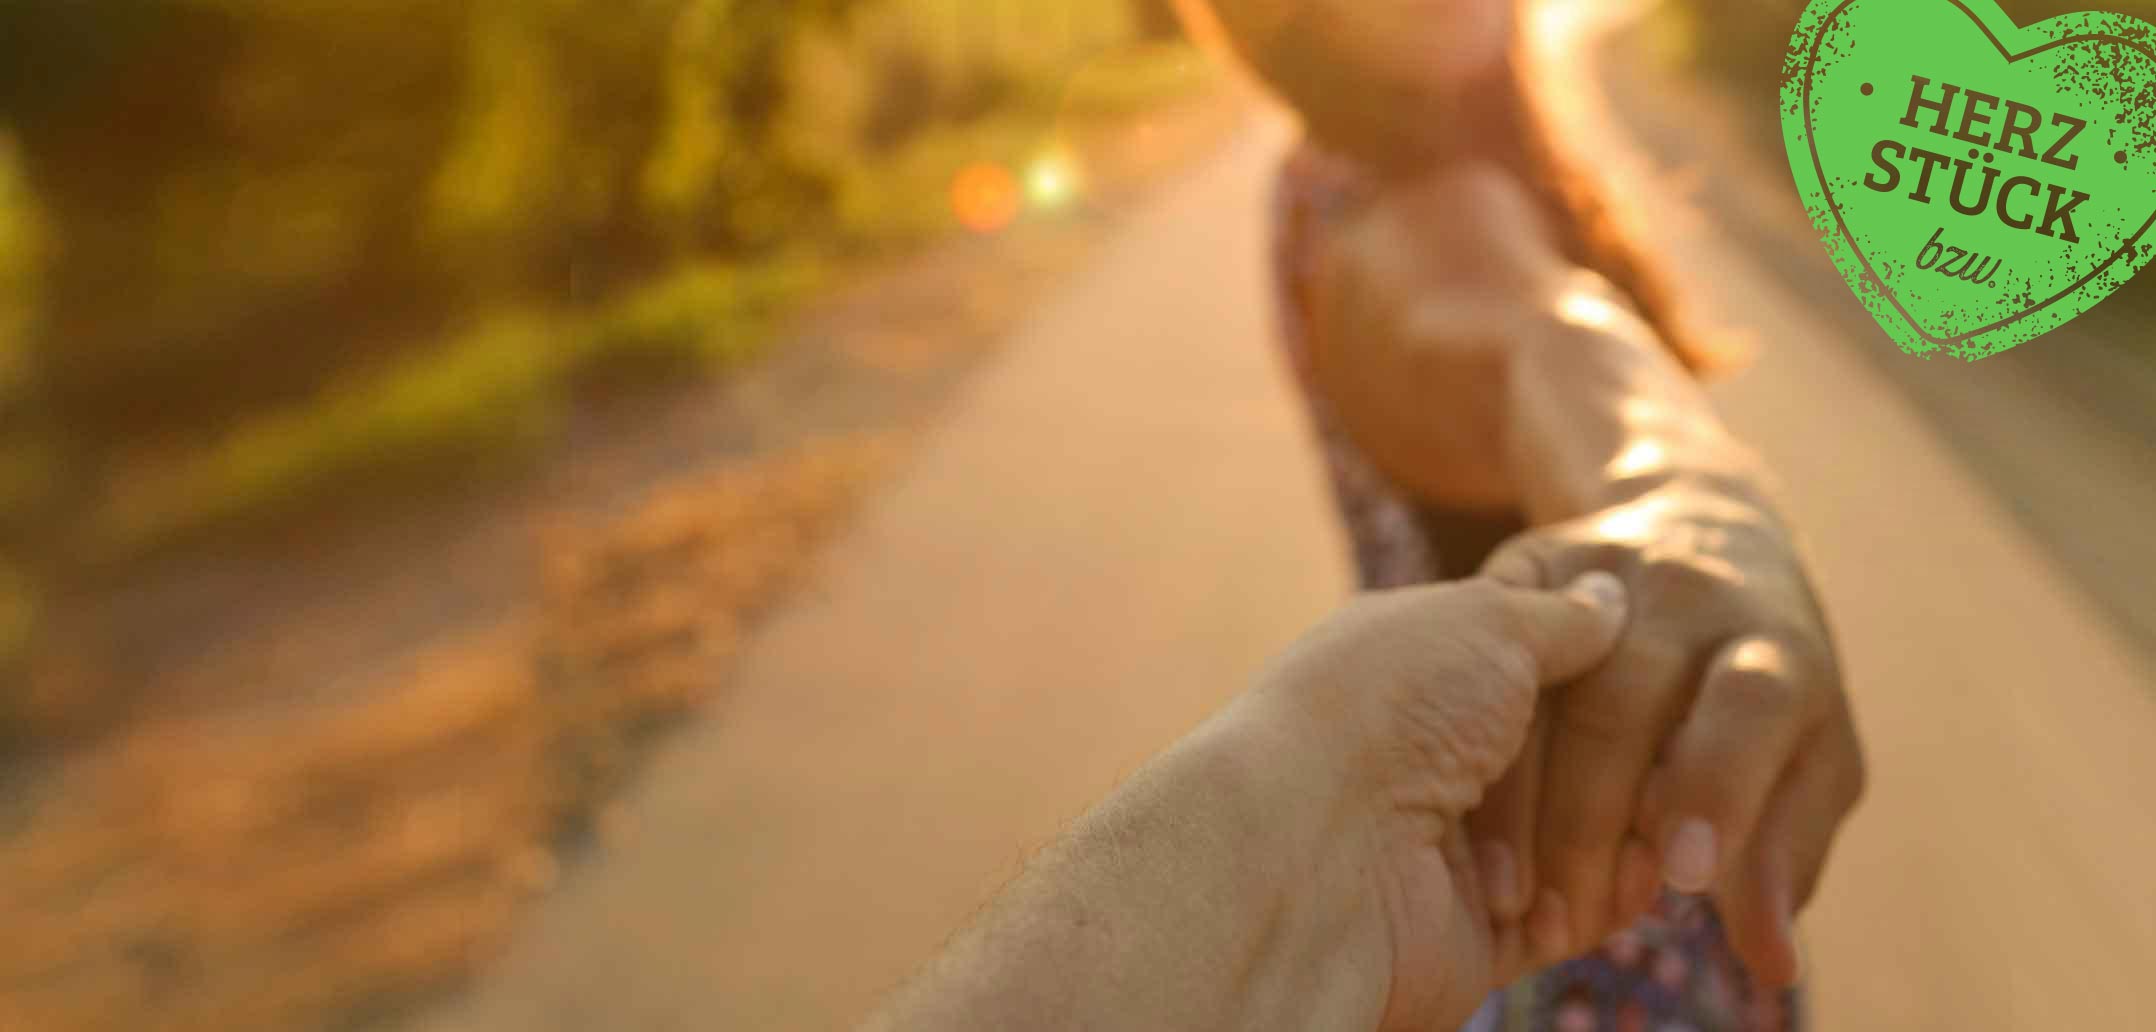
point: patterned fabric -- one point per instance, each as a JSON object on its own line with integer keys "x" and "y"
{"x": 1674, "y": 971}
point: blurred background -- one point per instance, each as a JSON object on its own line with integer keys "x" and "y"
{"x": 547, "y": 514}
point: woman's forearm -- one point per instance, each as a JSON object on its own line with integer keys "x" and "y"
{"x": 1599, "y": 412}
{"x": 1106, "y": 930}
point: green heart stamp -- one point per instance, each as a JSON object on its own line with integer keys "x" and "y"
{"x": 1976, "y": 182}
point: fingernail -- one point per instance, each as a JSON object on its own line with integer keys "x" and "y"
{"x": 1600, "y": 589}
{"x": 1689, "y": 861}
{"x": 1500, "y": 876}
{"x": 1550, "y": 926}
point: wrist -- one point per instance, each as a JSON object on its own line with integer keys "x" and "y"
{"x": 1286, "y": 795}
{"x": 1734, "y": 476}
{"x": 1601, "y": 415}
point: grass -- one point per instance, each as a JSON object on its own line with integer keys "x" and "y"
{"x": 700, "y": 318}
{"x": 480, "y": 394}
{"x": 487, "y": 396}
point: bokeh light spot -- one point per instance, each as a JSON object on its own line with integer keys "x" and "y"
{"x": 985, "y": 197}
{"x": 1051, "y": 181}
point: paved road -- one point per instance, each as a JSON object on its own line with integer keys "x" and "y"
{"x": 1119, "y": 519}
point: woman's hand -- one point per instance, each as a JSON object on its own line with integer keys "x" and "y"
{"x": 1298, "y": 861}
{"x": 1715, "y": 748}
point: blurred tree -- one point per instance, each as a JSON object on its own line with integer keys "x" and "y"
{"x": 244, "y": 207}
{"x": 280, "y": 189}
{"x": 256, "y": 251}
{"x": 228, "y": 189}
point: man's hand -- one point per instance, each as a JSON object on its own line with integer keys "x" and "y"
{"x": 1715, "y": 748}
{"x": 1426, "y": 695}
{"x": 1299, "y": 861}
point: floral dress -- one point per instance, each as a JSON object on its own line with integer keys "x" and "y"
{"x": 1673, "y": 971}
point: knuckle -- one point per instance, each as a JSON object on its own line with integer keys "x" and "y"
{"x": 1758, "y": 690}
{"x": 1681, "y": 580}
{"x": 1788, "y": 670}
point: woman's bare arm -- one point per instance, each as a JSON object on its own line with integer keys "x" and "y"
{"x": 1597, "y": 412}
{"x": 1481, "y": 369}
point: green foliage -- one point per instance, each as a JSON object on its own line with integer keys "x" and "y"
{"x": 699, "y": 317}
{"x": 485, "y": 391}
{"x": 253, "y": 251}
{"x": 257, "y": 256}
{"x": 490, "y": 391}
{"x": 20, "y": 254}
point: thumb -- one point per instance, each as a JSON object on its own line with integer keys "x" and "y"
{"x": 1566, "y": 633}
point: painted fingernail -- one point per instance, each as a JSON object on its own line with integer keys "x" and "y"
{"x": 1601, "y": 589}
{"x": 1550, "y": 926}
{"x": 1688, "y": 864}
{"x": 1500, "y": 876}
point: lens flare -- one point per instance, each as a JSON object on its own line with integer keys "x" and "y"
{"x": 985, "y": 197}
{"x": 1051, "y": 181}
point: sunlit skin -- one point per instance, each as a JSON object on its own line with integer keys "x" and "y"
{"x": 1485, "y": 372}
{"x": 1480, "y": 368}
{"x": 1710, "y": 749}
{"x": 1299, "y": 861}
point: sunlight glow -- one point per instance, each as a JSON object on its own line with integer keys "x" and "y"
{"x": 1589, "y": 310}
{"x": 1558, "y": 24}
{"x": 1632, "y": 522}
{"x": 1642, "y": 457}
{"x": 1051, "y": 181}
